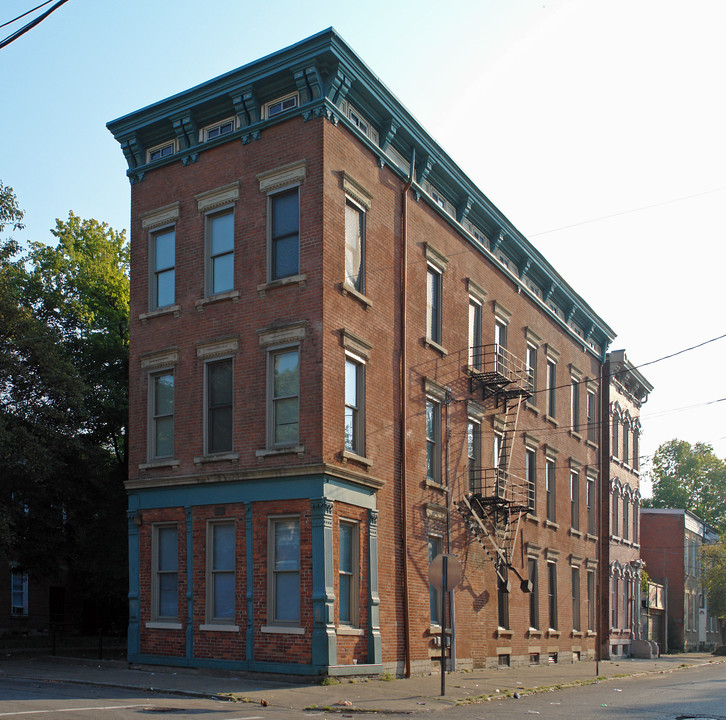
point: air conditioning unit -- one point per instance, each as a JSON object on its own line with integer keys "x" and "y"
{"x": 436, "y": 640}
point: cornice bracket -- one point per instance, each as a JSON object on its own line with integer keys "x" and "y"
{"x": 496, "y": 241}
{"x": 186, "y": 131}
{"x": 339, "y": 86}
{"x": 133, "y": 152}
{"x": 428, "y": 165}
{"x": 388, "y": 131}
{"x": 309, "y": 84}
{"x": 464, "y": 208}
{"x": 246, "y": 107}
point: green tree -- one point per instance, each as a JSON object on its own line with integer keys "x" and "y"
{"x": 63, "y": 402}
{"x": 714, "y": 576}
{"x": 690, "y": 477}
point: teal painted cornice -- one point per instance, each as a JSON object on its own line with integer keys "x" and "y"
{"x": 329, "y": 78}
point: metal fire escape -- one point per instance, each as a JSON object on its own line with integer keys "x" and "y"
{"x": 496, "y": 498}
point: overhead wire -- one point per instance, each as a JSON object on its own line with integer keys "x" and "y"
{"x": 29, "y": 26}
{"x": 37, "y": 7}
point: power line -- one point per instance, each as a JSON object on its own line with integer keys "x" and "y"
{"x": 37, "y": 7}
{"x": 625, "y": 212}
{"x": 29, "y": 26}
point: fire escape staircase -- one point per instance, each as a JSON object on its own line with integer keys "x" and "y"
{"x": 495, "y": 500}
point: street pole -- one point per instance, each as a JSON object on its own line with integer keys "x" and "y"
{"x": 444, "y": 593}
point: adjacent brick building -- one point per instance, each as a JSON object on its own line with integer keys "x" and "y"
{"x": 345, "y": 361}
{"x": 624, "y": 395}
{"x": 671, "y": 543}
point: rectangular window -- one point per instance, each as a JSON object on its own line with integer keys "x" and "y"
{"x": 550, "y": 488}
{"x": 531, "y": 364}
{"x": 590, "y": 601}
{"x": 473, "y": 447}
{"x": 219, "y": 406}
{"x": 500, "y": 346}
{"x": 534, "y": 595}
{"x": 575, "y": 500}
{"x": 433, "y": 441}
{"x": 615, "y": 528}
{"x": 433, "y": 305}
{"x": 354, "y": 406}
{"x": 626, "y": 444}
{"x": 18, "y": 593}
{"x": 614, "y": 602}
{"x": 281, "y": 105}
{"x": 162, "y": 415}
{"x": 591, "y": 500}
{"x": 592, "y": 423}
{"x": 220, "y": 249}
{"x": 475, "y": 345}
{"x": 284, "y": 571}
{"x": 636, "y": 516}
{"x": 220, "y": 572}
{"x": 355, "y": 237}
{"x": 284, "y": 234}
{"x": 348, "y": 573}
{"x": 212, "y": 132}
{"x": 575, "y": 404}
{"x": 284, "y": 396}
{"x": 160, "y": 151}
{"x": 551, "y": 388}
{"x": 165, "y": 590}
{"x": 502, "y": 605}
{"x": 435, "y": 548}
{"x": 530, "y": 463}
{"x": 552, "y": 594}
{"x": 636, "y": 450}
{"x": 626, "y": 518}
{"x": 626, "y": 604}
{"x": 575, "y": 598}
{"x": 162, "y": 265}
{"x": 616, "y": 438}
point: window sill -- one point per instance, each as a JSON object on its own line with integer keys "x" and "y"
{"x": 281, "y": 282}
{"x": 232, "y": 295}
{"x": 212, "y": 627}
{"x": 168, "y": 310}
{"x": 550, "y": 524}
{"x": 575, "y": 435}
{"x": 348, "y": 630}
{"x": 220, "y": 457}
{"x": 533, "y": 519}
{"x": 346, "y": 289}
{"x": 550, "y": 419}
{"x": 591, "y": 444}
{"x": 167, "y": 462}
{"x": 504, "y": 633}
{"x": 159, "y": 625}
{"x": 435, "y": 485}
{"x": 590, "y": 536}
{"x": 428, "y": 342}
{"x": 532, "y": 408}
{"x": 575, "y": 533}
{"x": 534, "y": 633}
{"x": 346, "y": 455}
{"x": 551, "y": 633}
{"x": 299, "y": 449}
{"x": 591, "y": 633}
{"x": 576, "y": 634}
{"x": 282, "y": 630}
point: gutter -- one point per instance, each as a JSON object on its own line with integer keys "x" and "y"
{"x": 404, "y": 414}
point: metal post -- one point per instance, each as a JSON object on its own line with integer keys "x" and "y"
{"x": 444, "y": 593}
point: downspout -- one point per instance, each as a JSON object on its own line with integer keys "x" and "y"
{"x": 404, "y": 414}
{"x": 600, "y": 495}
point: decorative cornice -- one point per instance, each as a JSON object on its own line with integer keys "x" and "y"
{"x": 219, "y": 196}
{"x": 161, "y": 359}
{"x": 280, "y": 334}
{"x": 356, "y": 191}
{"x": 355, "y": 343}
{"x": 217, "y": 349}
{"x": 281, "y": 177}
{"x": 435, "y": 257}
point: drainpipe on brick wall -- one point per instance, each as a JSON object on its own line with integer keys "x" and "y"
{"x": 404, "y": 413}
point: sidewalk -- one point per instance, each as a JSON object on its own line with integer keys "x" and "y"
{"x": 393, "y": 696}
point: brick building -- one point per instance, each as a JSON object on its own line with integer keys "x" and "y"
{"x": 670, "y": 546}
{"x": 623, "y": 397}
{"x": 344, "y": 361}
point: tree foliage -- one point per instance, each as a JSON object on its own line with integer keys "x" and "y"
{"x": 63, "y": 401}
{"x": 714, "y": 576}
{"x": 690, "y": 477}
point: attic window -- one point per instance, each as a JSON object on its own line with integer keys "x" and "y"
{"x": 438, "y": 199}
{"x": 211, "y": 132}
{"x": 283, "y": 104}
{"x": 160, "y": 151}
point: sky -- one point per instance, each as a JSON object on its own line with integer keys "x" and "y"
{"x": 597, "y": 127}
